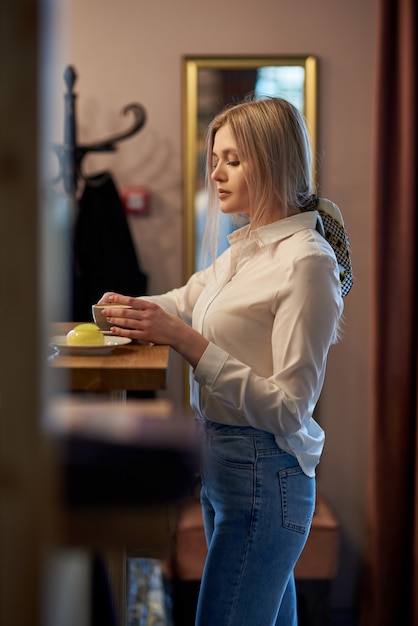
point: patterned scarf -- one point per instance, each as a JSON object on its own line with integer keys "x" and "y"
{"x": 330, "y": 225}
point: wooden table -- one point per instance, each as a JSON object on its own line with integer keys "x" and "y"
{"x": 133, "y": 367}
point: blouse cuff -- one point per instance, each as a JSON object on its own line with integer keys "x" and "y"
{"x": 210, "y": 365}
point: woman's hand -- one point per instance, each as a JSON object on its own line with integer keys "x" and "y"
{"x": 146, "y": 321}
{"x": 143, "y": 320}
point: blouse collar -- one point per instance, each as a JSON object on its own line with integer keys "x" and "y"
{"x": 274, "y": 232}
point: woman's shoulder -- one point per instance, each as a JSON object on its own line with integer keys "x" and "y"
{"x": 305, "y": 242}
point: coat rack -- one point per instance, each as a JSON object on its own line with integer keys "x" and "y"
{"x": 70, "y": 154}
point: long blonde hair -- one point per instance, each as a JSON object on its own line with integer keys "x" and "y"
{"x": 273, "y": 144}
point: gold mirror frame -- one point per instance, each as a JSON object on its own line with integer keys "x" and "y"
{"x": 192, "y": 67}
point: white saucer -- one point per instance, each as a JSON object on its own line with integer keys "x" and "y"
{"x": 109, "y": 345}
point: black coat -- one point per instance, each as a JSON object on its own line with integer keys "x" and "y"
{"x": 104, "y": 256}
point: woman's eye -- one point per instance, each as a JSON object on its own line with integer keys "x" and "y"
{"x": 233, "y": 163}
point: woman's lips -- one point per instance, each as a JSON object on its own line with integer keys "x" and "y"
{"x": 222, "y": 194}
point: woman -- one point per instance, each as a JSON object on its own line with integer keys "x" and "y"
{"x": 256, "y": 328}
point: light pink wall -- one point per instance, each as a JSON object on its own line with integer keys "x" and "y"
{"x": 132, "y": 50}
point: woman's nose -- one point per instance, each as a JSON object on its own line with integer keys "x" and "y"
{"x": 218, "y": 173}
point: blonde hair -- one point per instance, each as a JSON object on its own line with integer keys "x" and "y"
{"x": 273, "y": 145}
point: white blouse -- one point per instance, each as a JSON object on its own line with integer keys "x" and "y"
{"x": 270, "y": 309}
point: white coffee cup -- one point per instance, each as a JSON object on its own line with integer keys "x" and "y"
{"x": 98, "y": 317}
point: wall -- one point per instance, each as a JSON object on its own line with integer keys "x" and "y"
{"x": 132, "y": 51}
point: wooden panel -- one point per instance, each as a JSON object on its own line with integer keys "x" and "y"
{"x": 26, "y": 510}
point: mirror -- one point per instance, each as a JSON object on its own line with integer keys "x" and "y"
{"x": 210, "y": 83}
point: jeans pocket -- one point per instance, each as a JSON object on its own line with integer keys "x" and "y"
{"x": 298, "y": 499}
{"x": 233, "y": 451}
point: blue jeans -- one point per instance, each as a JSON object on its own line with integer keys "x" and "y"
{"x": 257, "y": 510}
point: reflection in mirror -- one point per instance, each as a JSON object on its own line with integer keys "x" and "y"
{"x": 210, "y": 84}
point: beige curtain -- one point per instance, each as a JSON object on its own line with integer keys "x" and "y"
{"x": 390, "y": 592}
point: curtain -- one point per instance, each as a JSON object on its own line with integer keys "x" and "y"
{"x": 390, "y": 591}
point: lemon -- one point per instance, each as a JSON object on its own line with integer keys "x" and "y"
{"x": 85, "y": 335}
